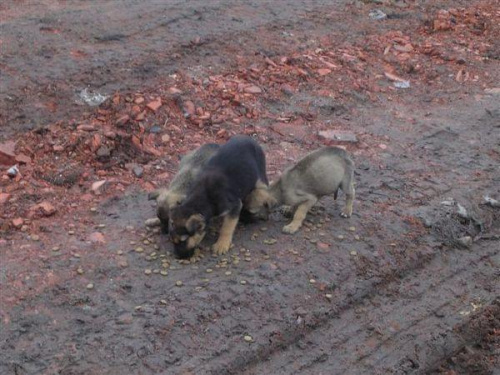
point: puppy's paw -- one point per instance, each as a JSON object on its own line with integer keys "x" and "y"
{"x": 290, "y": 228}
{"x": 286, "y": 211}
{"x": 221, "y": 247}
{"x": 345, "y": 214}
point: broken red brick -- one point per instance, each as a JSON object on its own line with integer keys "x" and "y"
{"x": 122, "y": 120}
{"x": 324, "y": 71}
{"x": 46, "y": 208}
{"x": 86, "y": 128}
{"x": 18, "y": 222}
{"x": 4, "y": 197}
{"x": 154, "y": 105}
{"x": 7, "y": 156}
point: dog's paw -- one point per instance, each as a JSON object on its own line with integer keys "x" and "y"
{"x": 345, "y": 214}
{"x": 286, "y": 211}
{"x": 290, "y": 229}
{"x": 221, "y": 248}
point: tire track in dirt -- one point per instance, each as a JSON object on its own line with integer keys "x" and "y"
{"x": 423, "y": 323}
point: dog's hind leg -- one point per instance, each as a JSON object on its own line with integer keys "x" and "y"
{"x": 227, "y": 230}
{"x": 347, "y": 187}
{"x": 300, "y": 215}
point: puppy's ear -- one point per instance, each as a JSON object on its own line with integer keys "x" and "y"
{"x": 195, "y": 223}
{"x": 153, "y": 194}
{"x": 264, "y": 198}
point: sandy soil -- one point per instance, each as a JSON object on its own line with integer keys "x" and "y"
{"x": 408, "y": 285}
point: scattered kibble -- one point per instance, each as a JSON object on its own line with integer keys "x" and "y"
{"x": 139, "y": 249}
{"x": 80, "y": 270}
{"x": 352, "y": 229}
{"x": 209, "y": 270}
{"x": 147, "y": 271}
{"x": 270, "y": 241}
{"x": 312, "y": 281}
{"x": 329, "y": 296}
{"x": 227, "y": 273}
{"x": 243, "y": 282}
{"x": 119, "y": 252}
{"x": 90, "y": 286}
{"x": 178, "y": 283}
{"x": 248, "y": 338}
{"x": 353, "y": 252}
{"x": 163, "y": 273}
{"x": 163, "y": 302}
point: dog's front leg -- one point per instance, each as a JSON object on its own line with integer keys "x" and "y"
{"x": 300, "y": 215}
{"x": 227, "y": 230}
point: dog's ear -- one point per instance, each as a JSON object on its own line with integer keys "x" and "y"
{"x": 195, "y": 224}
{"x": 153, "y": 194}
{"x": 264, "y": 198}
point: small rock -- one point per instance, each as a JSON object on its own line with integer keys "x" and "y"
{"x": 13, "y": 171}
{"x": 252, "y": 89}
{"x": 155, "y": 129}
{"x": 96, "y": 186}
{"x": 103, "y": 152}
{"x": 97, "y": 237}
{"x": 377, "y": 14}
{"x": 125, "y": 319}
{"x": 165, "y": 138}
{"x": 465, "y": 241}
{"x": 138, "y": 171}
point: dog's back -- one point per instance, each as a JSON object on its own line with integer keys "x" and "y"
{"x": 321, "y": 172}
{"x": 191, "y": 166}
{"x": 243, "y": 163}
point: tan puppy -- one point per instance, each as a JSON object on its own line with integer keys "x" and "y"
{"x": 190, "y": 167}
{"x": 320, "y": 173}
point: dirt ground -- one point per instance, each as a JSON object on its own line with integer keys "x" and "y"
{"x": 408, "y": 285}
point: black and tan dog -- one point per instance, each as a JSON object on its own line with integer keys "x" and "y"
{"x": 237, "y": 170}
{"x": 320, "y": 173}
{"x": 190, "y": 168}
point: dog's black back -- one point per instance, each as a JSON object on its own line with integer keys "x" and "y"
{"x": 229, "y": 176}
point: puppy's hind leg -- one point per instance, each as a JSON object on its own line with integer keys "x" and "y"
{"x": 347, "y": 186}
{"x": 300, "y": 215}
{"x": 227, "y": 230}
